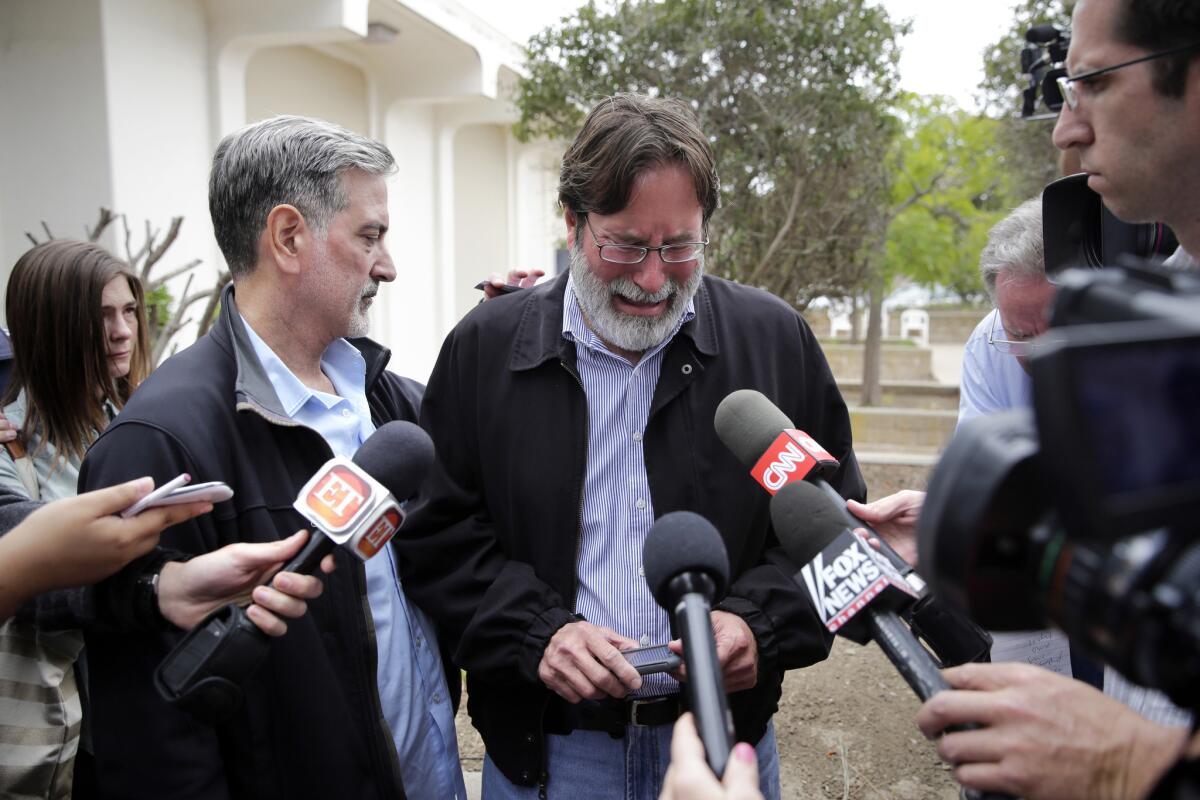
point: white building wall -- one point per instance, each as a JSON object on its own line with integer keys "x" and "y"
{"x": 54, "y": 137}
{"x": 304, "y": 81}
{"x": 405, "y": 316}
{"x": 156, "y": 74}
{"x": 480, "y": 210}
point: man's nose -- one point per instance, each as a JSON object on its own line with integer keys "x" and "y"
{"x": 1071, "y": 130}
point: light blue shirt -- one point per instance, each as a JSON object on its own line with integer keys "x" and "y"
{"x": 617, "y": 508}
{"x": 412, "y": 685}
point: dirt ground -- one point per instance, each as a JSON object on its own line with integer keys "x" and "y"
{"x": 845, "y": 726}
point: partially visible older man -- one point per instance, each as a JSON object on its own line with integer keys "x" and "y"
{"x": 527, "y": 546}
{"x": 354, "y": 701}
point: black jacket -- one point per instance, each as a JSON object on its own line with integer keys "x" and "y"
{"x": 312, "y": 724}
{"x": 491, "y": 548}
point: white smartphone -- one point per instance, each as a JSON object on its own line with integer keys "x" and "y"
{"x": 175, "y": 492}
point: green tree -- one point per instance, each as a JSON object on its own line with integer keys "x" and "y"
{"x": 794, "y": 98}
{"x": 946, "y": 192}
{"x": 948, "y": 189}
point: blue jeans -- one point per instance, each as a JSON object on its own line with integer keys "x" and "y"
{"x": 593, "y": 765}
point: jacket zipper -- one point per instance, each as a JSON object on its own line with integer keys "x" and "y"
{"x": 579, "y": 525}
{"x": 387, "y": 755}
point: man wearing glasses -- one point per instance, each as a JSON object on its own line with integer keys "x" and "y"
{"x": 527, "y": 545}
{"x": 1131, "y": 111}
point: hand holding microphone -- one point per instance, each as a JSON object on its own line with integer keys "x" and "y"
{"x": 778, "y": 455}
{"x": 687, "y": 570}
{"x": 349, "y": 503}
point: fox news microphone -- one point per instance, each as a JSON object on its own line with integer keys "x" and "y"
{"x": 351, "y": 503}
{"x": 765, "y": 440}
{"x": 856, "y": 592}
{"x": 687, "y": 569}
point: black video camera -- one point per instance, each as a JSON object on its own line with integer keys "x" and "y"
{"x": 1084, "y": 511}
{"x": 1043, "y": 60}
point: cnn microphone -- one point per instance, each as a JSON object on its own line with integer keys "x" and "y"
{"x": 687, "y": 569}
{"x": 855, "y": 592}
{"x": 765, "y": 440}
{"x": 352, "y": 503}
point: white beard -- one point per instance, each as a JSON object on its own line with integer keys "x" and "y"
{"x": 630, "y": 332}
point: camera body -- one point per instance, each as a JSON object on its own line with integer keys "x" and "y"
{"x": 1083, "y": 511}
{"x": 1043, "y": 60}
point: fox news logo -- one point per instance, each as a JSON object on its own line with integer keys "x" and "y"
{"x": 842, "y": 583}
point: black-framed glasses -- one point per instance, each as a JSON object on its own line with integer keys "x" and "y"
{"x": 1071, "y": 97}
{"x": 675, "y": 253}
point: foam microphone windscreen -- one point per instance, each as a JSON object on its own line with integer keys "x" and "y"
{"x": 806, "y": 521}
{"x": 399, "y": 455}
{"x": 683, "y": 542}
{"x": 748, "y": 423}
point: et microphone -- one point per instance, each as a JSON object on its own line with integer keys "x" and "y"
{"x": 687, "y": 569}
{"x": 349, "y": 503}
{"x": 356, "y": 504}
{"x": 777, "y": 454}
{"x": 855, "y": 592}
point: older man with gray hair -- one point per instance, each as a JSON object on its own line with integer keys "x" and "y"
{"x": 354, "y": 701}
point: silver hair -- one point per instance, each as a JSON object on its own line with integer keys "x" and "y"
{"x": 296, "y": 161}
{"x": 1014, "y": 247}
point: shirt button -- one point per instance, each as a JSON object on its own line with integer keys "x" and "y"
{"x": 637, "y": 436}
{"x": 645, "y": 640}
{"x": 346, "y": 412}
{"x": 437, "y": 697}
{"x": 642, "y": 571}
{"x": 640, "y": 504}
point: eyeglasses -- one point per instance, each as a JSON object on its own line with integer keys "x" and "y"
{"x": 1071, "y": 97}
{"x": 997, "y": 339}
{"x": 676, "y": 253}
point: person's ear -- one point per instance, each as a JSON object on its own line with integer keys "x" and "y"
{"x": 572, "y": 220}
{"x": 286, "y": 235}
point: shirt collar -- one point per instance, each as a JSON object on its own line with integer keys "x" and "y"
{"x": 341, "y": 362}
{"x": 575, "y": 328}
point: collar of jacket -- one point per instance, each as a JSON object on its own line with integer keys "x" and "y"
{"x": 539, "y": 336}
{"x": 253, "y": 387}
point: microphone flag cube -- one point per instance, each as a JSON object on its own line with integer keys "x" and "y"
{"x": 350, "y": 507}
{"x": 791, "y": 457}
{"x": 847, "y": 576}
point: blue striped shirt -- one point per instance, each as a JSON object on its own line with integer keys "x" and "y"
{"x": 617, "y": 508}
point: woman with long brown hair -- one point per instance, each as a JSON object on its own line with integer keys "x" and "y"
{"x": 77, "y": 319}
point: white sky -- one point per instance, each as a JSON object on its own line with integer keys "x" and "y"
{"x": 942, "y": 55}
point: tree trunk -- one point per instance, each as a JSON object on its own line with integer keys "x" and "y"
{"x": 872, "y": 391}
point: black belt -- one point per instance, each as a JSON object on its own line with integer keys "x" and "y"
{"x": 611, "y": 715}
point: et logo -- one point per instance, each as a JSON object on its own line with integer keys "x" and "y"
{"x": 337, "y": 497}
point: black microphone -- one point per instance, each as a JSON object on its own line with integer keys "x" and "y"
{"x": 855, "y": 592}
{"x": 765, "y": 440}
{"x": 687, "y": 569}
{"x": 349, "y": 503}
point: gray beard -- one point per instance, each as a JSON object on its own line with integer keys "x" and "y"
{"x": 360, "y": 320}
{"x": 629, "y": 332}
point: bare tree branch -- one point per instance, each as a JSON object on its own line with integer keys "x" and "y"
{"x": 156, "y": 253}
{"x": 46, "y": 228}
{"x": 175, "y": 273}
{"x": 172, "y": 327}
{"x": 105, "y": 219}
{"x": 210, "y": 310}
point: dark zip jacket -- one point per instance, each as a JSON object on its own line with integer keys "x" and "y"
{"x": 312, "y": 724}
{"x": 490, "y": 550}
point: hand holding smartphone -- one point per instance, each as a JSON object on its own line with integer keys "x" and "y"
{"x": 176, "y": 492}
